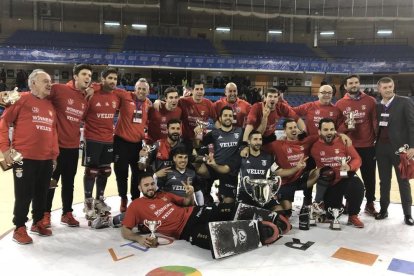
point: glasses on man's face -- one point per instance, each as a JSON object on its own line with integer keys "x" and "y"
{"x": 325, "y": 93}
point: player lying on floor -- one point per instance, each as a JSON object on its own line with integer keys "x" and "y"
{"x": 176, "y": 217}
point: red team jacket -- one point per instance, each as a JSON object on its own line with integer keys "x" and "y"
{"x": 70, "y": 106}
{"x": 34, "y": 135}
{"x": 125, "y": 127}
{"x": 327, "y": 155}
{"x": 365, "y": 115}
{"x": 282, "y": 110}
{"x": 240, "y": 108}
{"x": 193, "y": 111}
{"x": 157, "y": 121}
{"x": 99, "y": 121}
{"x": 315, "y": 111}
{"x": 163, "y": 207}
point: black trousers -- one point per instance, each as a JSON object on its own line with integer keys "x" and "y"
{"x": 368, "y": 171}
{"x": 126, "y": 155}
{"x": 386, "y": 159}
{"x": 31, "y": 182}
{"x": 353, "y": 190}
{"x": 196, "y": 230}
{"x": 67, "y": 166}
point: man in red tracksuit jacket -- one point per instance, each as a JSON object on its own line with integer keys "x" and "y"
{"x": 330, "y": 151}
{"x": 35, "y": 138}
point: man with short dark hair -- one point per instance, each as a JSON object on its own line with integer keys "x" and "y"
{"x": 396, "y": 128}
{"x": 330, "y": 151}
{"x": 362, "y": 108}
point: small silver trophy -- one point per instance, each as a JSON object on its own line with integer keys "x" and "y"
{"x": 402, "y": 149}
{"x": 202, "y": 125}
{"x": 16, "y": 156}
{"x": 343, "y": 161}
{"x": 351, "y": 120}
{"x": 143, "y": 159}
{"x": 10, "y": 97}
{"x": 335, "y": 212}
{"x": 261, "y": 190}
{"x": 152, "y": 225}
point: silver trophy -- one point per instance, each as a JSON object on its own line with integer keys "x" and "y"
{"x": 16, "y": 157}
{"x": 10, "y": 97}
{"x": 143, "y": 159}
{"x": 335, "y": 212}
{"x": 351, "y": 120}
{"x": 402, "y": 149}
{"x": 202, "y": 125}
{"x": 343, "y": 161}
{"x": 152, "y": 225}
{"x": 261, "y": 190}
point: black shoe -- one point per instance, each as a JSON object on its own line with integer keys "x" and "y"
{"x": 381, "y": 215}
{"x": 409, "y": 220}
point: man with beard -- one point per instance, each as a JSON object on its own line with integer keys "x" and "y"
{"x": 157, "y": 126}
{"x": 225, "y": 161}
{"x": 35, "y": 138}
{"x": 363, "y": 109}
{"x": 256, "y": 166}
{"x": 396, "y": 128}
{"x": 70, "y": 105}
{"x": 291, "y": 155}
{"x": 264, "y": 116}
{"x": 98, "y": 149}
{"x": 178, "y": 218}
{"x": 160, "y": 158}
{"x": 174, "y": 181}
{"x": 330, "y": 151}
{"x": 240, "y": 107}
{"x": 129, "y": 134}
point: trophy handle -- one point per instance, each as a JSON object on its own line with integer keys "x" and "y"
{"x": 330, "y": 210}
{"x": 244, "y": 180}
{"x": 146, "y": 223}
{"x": 279, "y": 182}
{"x": 158, "y": 223}
{"x": 341, "y": 211}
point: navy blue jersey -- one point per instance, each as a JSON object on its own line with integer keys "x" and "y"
{"x": 173, "y": 181}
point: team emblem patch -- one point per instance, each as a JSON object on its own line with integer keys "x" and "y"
{"x": 289, "y": 150}
{"x": 317, "y": 112}
{"x": 302, "y": 148}
{"x": 70, "y": 101}
{"x": 364, "y": 107}
{"x": 19, "y": 172}
{"x": 35, "y": 109}
{"x": 322, "y": 153}
{"x": 113, "y": 104}
{"x": 152, "y": 206}
{"x": 236, "y": 135}
{"x": 264, "y": 162}
{"x": 336, "y": 151}
{"x": 239, "y": 236}
{"x": 330, "y": 114}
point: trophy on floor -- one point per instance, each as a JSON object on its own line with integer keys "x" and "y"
{"x": 350, "y": 120}
{"x": 152, "y": 225}
{"x": 343, "y": 161}
{"x": 202, "y": 125}
{"x": 10, "y": 97}
{"x": 402, "y": 149}
{"x": 335, "y": 212}
{"x": 261, "y": 190}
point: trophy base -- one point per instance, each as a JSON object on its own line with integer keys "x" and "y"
{"x": 312, "y": 222}
{"x": 343, "y": 174}
{"x": 335, "y": 226}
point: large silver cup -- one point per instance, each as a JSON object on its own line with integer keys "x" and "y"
{"x": 10, "y": 97}
{"x": 152, "y": 225}
{"x": 402, "y": 149}
{"x": 202, "y": 125}
{"x": 261, "y": 190}
{"x": 343, "y": 161}
{"x": 335, "y": 212}
{"x": 351, "y": 120}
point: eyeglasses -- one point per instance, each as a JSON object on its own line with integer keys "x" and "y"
{"x": 326, "y": 93}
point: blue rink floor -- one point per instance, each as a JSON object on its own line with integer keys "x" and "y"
{"x": 381, "y": 248}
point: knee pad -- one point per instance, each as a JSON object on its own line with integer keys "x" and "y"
{"x": 269, "y": 233}
{"x": 91, "y": 173}
{"x": 105, "y": 171}
{"x": 326, "y": 176}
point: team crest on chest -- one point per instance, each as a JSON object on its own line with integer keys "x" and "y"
{"x": 317, "y": 112}
{"x": 113, "y": 104}
{"x": 202, "y": 112}
{"x": 70, "y": 101}
{"x": 364, "y": 107}
{"x": 331, "y": 114}
{"x": 289, "y": 150}
{"x": 264, "y": 162}
{"x": 302, "y": 148}
{"x": 336, "y": 151}
{"x": 35, "y": 109}
{"x": 152, "y": 206}
{"x": 322, "y": 153}
{"x": 236, "y": 135}
{"x": 164, "y": 198}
